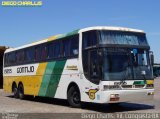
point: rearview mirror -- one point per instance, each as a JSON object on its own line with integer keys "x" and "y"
{"x": 151, "y": 58}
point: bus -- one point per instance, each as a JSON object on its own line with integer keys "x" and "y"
{"x": 100, "y": 64}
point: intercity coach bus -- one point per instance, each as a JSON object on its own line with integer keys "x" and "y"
{"x": 96, "y": 64}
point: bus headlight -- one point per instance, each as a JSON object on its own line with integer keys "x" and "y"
{"x": 111, "y": 87}
{"x": 150, "y": 93}
{"x": 114, "y": 97}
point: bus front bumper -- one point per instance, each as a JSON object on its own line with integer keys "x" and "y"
{"x": 116, "y": 96}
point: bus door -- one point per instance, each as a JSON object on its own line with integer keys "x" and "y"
{"x": 94, "y": 75}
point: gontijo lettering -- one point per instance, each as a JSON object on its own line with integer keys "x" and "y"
{"x": 25, "y": 69}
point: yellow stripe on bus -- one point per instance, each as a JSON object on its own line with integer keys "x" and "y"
{"x": 31, "y": 83}
{"x": 150, "y": 81}
{"x": 53, "y": 37}
{"x": 39, "y": 74}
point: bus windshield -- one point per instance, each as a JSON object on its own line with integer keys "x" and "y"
{"x": 123, "y": 64}
{"x": 121, "y": 37}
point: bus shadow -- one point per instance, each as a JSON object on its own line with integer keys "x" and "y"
{"x": 121, "y": 107}
{"x": 104, "y": 108}
{"x": 46, "y": 100}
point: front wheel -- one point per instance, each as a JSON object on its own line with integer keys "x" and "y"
{"x": 73, "y": 97}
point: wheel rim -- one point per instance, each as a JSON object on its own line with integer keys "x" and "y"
{"x": 76, "y": 97}
{"x": 20, "y": 91}
{"x": 15, "y": 91}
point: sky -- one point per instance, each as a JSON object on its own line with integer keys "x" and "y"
{"x": 23, "y": 25}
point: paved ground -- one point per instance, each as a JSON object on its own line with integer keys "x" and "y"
{"x": 47, "y": 105}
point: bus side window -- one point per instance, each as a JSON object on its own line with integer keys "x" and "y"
{"x": 57, "y": 50}
{"x": 29, "y": 55}
{"x": 74, "y": 46}
{"x": 50, "y": 48}
{"x": 89, "y": 39}
{"x": 44, "y": 53}
{"x": 6, "y": 60}
{"x": 12, "y": 58}
{"x": 20, "y": 57}
{"x": 37, "y": 53}
{"x": 66, "y": 48}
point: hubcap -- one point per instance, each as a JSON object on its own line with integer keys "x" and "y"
{"x": 15, "y": 91}
{"x": 76, "y": 98}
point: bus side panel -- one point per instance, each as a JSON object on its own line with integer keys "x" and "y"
{"x": 7, "y": 84}
{"x": 69, "y": 74}
{"x": 31, "y": 83}
{"x": 51, "y": 78}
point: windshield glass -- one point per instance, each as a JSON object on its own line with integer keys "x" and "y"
{"x": 141, "y": 64}
{"x": 121, "y": 37}
{"x": 123, "y": 64}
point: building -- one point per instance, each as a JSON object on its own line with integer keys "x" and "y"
{"x": 2, "y": 49}
{"x": 156, "y": 70}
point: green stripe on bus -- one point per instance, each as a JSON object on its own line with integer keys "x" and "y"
{"x": 46, "y": 78}
{"x": 51, "y": 78}
{"x": 55, "y": 78}
{"x": 139, "y": 83}
{"x": 68, "y": 34}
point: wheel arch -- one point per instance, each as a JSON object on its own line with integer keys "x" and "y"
{"x": 74, "y": 84}
{"x": 20, "y": 83}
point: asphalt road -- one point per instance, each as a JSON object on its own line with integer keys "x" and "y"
{"x": 8, "y": 104}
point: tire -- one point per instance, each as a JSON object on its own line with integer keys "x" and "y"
{"x": 21, "y": 91}
{"x": 73, "y": 96}
{"x": 15, "y": 91}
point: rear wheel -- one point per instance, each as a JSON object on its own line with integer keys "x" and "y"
{"x": 15, "y": 91}
{"x": 73, "y": 97}
{"x": 21, "y": 91}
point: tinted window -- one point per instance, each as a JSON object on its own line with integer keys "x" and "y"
{"x": 89, "y": 39}
{"x": 57, "y": 50}
{"x": 66, "y": 48}
{"x": 118, "y": 37}
{"x": 29, "y": 54}
{"x": 12, "y": 58}
{"x": 50, "y": 48}
{"x": 20, "y": 56}
{"x": 85, "y": 63}
{"x": 6, "y": 59}
{"x": 37, "y": 53}
{"x": 94, "y": 63}
{"x": 43, "y": 52}
{"x": 74, "y": 46}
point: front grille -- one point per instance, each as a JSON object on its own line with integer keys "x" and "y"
{"x": 133, "y": 86}
{"x": 139, "y": 86}
{"x": 150, "y": 86}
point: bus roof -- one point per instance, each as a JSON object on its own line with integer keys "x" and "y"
{"x": 111, "y": 28}
{"x": 59, "y": 36}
